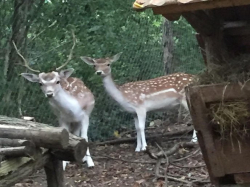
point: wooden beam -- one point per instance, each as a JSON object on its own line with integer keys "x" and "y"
{"x": 198, "y": 111}
{"x": 202, "y": 22}
{"x": 202, "y": 5}
{"x": 172, "y": 17}
{"x": 223, "y": 92}
{"x": 202, "y": 47}
{"x": 75, "y": 151}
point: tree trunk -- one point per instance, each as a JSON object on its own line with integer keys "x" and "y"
{"x": 168, "y": 46}
{"x": 20, "y": 28}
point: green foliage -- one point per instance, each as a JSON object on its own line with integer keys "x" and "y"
{"x": 102, "y": 28}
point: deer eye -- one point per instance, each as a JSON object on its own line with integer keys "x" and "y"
{"x": 108, "y": 64}
{"x": 57, "y": 82}
{"x": 40, "y": 84}
{"x": 94, "y": 66}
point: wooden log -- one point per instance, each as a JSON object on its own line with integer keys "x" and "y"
{"x": 42, "y": 137}
{"x": 17, "y": 151}
{"x": 15, "y": 142}
{"x": 16, "y": 169}
{"x": 54, "y": 173}
{"x": 75, "y": 151}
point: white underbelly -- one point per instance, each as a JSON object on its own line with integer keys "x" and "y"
{"x": 161, "y": 104}
{"x": 128, "y": 106}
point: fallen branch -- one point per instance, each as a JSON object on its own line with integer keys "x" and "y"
{"x": 175, "y": 179}
{"x": 171, "y": 151}
{"x": 128, "y": 140}
{"x": 203, "y": 165}
{"x": 190, "y": 155}
{"x": 122, "y": 160}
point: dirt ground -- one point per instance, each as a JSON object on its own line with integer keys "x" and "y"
{"x": 120, "y": 165}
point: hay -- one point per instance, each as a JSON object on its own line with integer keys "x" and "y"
{"x": 235, "y": 71}
{"x": 230, "y": 118}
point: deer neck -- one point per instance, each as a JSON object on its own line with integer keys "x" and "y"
{"x": 113, "y": 89}
{"x": 64, "y": 102}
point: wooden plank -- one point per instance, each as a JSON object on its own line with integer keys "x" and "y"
{"x": 16, "y": 169}
{"x": 172, "y": 17}
{"x": 199, "y": 113}
{"x": 241, "y": 40}
{"x": 232, "y": 154}
{"x": 203, "y": 5}
{"x": 237, "y": 31}
{"x": 223, "y": 92}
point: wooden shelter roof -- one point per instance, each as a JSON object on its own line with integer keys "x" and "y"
{"x": 177, "y": 7}
{"x": 234, "y": 16}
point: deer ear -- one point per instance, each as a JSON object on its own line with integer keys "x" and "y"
{"x": 66, "y": 73}
{"x": 115, "y": 57}
{"x": 88, "y": 60}
{"x": 30, "y": 77}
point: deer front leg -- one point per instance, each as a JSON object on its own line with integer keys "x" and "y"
{"x": 84, "y": 134}
{"x": 141, "y": 125}
{"x": 138, "y": 134}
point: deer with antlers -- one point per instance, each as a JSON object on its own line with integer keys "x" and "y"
{"x": 141, "y": 97}
{"x": 71, "y": 101}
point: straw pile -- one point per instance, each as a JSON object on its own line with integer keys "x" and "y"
{"x": 229, "y": 118}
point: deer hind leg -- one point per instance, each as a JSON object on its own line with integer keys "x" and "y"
{"x": 184, "y": 104}
{"x": 84, "y": 134}
{"x": 138, "y": 134}
{"x": 141, "y": 127}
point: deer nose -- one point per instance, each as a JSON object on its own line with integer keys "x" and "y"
{"x": 49, "y": 95}
{"x": 98, "y": 73}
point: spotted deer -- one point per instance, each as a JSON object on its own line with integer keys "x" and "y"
{"x": 141, "y": 97}
{"x": 71, "y": 101}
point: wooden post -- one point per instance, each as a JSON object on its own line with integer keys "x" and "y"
{"x": 54, "y": 173}
{"x": 208, "y": 25}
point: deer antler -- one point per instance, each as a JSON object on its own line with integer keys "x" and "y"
{"x": 71, "y": 52}
{"x": 25, "y": 61}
